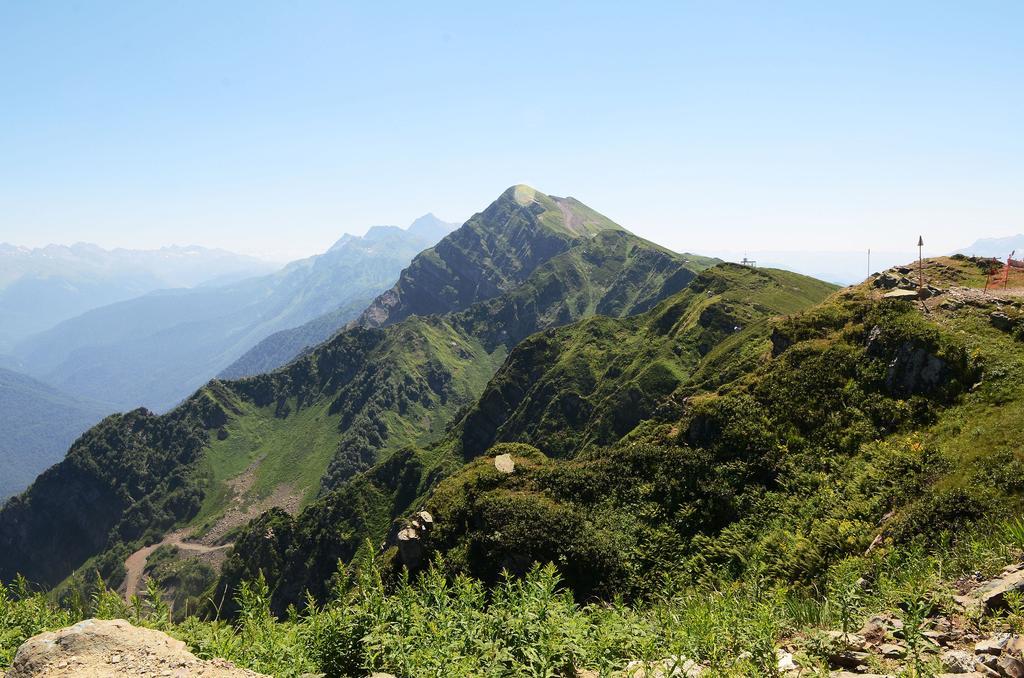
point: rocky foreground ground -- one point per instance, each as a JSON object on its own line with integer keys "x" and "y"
{"x": 97, "y": 648}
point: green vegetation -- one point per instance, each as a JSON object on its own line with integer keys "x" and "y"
{"x": 530, "y": 625}
{"x": 355, "y": 401}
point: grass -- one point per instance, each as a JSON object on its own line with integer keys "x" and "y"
{"x": 530, "y": 626}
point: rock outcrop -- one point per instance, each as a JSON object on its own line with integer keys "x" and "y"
{"x": 991, "y": 595}
{"x": 410, "y": 538}
{"x": 97, "y": 648}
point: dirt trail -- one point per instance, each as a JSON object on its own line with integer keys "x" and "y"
{"x": 208, "y": 546}
{"x": 135, "y": 565}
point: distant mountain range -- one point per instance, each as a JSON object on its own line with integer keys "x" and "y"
{"x": 999, "y": 248}
{"x": 155, "y": 349}
{"x": 43, "y": 286}
{"x": 39, "y": 424}
{"x": 283, "y": 346}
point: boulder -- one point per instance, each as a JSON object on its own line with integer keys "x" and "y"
{"x": 504, "y": 463}
{"x": 886, "y": 281}
{"x": 780, "y": 342}
{"x": 881, "y": 626}
{"x": 785, "y": 663}
{"x": 846, "y": 641}
{"x": 991, "y": 595}
{"x": 98, "y": 648}
{"x": 915, "y": 371}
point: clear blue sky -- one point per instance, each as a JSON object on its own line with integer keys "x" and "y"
{"x": 273, "y": 127}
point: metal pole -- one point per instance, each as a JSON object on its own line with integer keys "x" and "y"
{"x": 920, "y": 266}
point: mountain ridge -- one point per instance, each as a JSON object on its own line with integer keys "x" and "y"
{"x": 155, "y": 350}
{"x": 340, "y": 408}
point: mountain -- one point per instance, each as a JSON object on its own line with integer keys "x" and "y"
{"x": 44, "y": 286}
{"x": 493, "y": 252}
{"x": 999, "y": 248}
{"x": 156, "y": 349}
{"x": 235, "y": 448}
{"x": 40, "y": 423}
{"x": 706, "y": 440}
{"x": 577, "y": 387}
{"x": 284, "y": 346}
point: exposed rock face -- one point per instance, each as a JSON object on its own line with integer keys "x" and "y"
{"x": 98, "y": 648}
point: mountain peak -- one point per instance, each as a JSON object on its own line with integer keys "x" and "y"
{"x": 431, "y": 228}
{"x": 523, "y": 194}
{"x": 567, "y": 216}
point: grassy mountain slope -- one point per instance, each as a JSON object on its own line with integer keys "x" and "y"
{"x": 540, "y": 393}
{"x": 351, "y": 402}
{"x": 593, "y": 382}
{"x": 155, "y": 350}
{"x": 40, "y": 423}
{"x": 867, "y": 419}
{"x": 788, "y": 445}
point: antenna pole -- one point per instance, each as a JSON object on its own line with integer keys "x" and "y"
{"x": 869, "y": 261}
{"x": 920, "y": 266}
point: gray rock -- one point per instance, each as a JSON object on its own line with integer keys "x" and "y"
{"x": 670, "y": 667}
{"x": 986, "y": 661}
{"x": 410, "y": 539}
{"x": 999, "y": 643}
{"x": 880, "y": 626}
{"x": 785, "y": 662}
{"x": 957, "y": 661}
{"x": 846, "y": 641}
{"x": 915, "y": 371}
{"x": 849, "y": 659}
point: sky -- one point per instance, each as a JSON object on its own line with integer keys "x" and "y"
{"x": 271, "y": 128}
